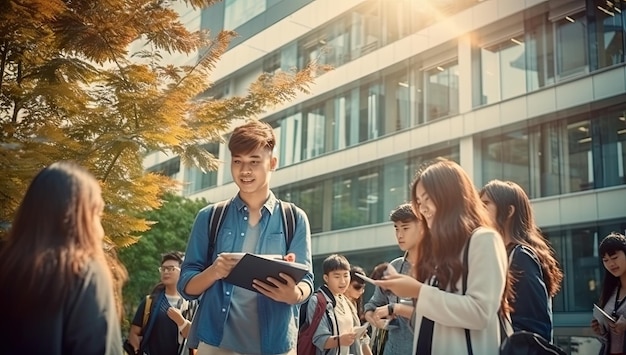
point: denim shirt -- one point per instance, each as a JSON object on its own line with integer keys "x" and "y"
{"x": 278, "y": 322}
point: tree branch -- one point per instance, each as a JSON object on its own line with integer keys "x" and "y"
{"x": 5, "y": 52}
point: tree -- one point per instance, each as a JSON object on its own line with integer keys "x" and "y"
{"x": 69, "y": 89}
{"x": 174, "y": 221}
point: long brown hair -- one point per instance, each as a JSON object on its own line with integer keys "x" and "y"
{"x": 53, "y": 237}
{"x": 521, "y": 228}
{"x": 459, "y": 213}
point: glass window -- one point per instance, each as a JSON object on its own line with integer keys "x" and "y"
{"x": 365, "y": 29}
{"x": 539, "y": 46}
{"x": 197, "y": 179}
{"x": 291, "y": 138}
{"x": 313, "y": 133}
{"x": 609, "y": 36}
{"x": 370, "y": 112}
{"x": 356, "y": 200}
{"x": 238, "y": 12}
{"x": 310, "y": 199}
{"x": 503, "y": 69}
{"x": 506, "y": 157}
{"x": 398, "y": 101}
{"x": 341, "y": 135}
{"x": 169, "y": 168}
{"x": 549, "y": 160}
{"x": 571, "y": 34}
{"x": 613, "y": 138}
{"x": 578, "y": 157}
{"x": 442, "y": 91}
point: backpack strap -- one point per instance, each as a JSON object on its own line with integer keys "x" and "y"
{"x": 289, "y": 222}
{"x": 146, "y": 312}
{"x": 215, "y": 222}
{"x": 219, "y": 211}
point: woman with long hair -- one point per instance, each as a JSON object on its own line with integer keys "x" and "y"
{"x": 57, "y": 289}
{"x": 448, "y": 320}
{"x": 612, "y": 250}
{"x": 533, "y": 265}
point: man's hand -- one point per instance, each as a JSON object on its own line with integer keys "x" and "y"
{"x": 176, "y": 316}
{"x": 222, "y": 266}
{"x": 618, "y": 327}
{"x": 280, "y": 291}
{"x": 374, "y": 319}
{"x": 597, "y": 328}
{"x": 346, "y": 339}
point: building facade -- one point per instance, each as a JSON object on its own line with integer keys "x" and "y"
{"x": 526, "y": 90}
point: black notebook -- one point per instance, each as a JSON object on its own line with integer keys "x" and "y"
{"x": 252, "y": 267}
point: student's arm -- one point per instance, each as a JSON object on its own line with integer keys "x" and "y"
{"x": 531, "y": 296}
{"x": 378, "y": 299}
{"x": 195, "y": 276}
{"x": 134, "y": 334}
{"x": 488, "y": 266}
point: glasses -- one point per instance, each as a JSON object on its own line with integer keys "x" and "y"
{"x": 357, "y": 287}
{"x": 163, "y": 269}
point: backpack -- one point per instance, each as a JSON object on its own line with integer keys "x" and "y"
{"x": 306, "y": 332}
{"x": 220, "y": 208}
{"x": 522, "y": 342}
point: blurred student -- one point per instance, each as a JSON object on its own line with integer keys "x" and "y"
{"x": 448, "y": 320}
{"x": 233, "y": 320}
{"x": 168, "y": 317}
{"x": 533, "y": 265}
{"x": 385, "y": 309}
{"x": 335, "y": 333}
{"x": 612, "y": 250}
{"x": 57, "y": 289}
{"x": 354, "y": 293}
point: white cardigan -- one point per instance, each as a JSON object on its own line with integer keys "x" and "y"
{"x": 476, "y": 310}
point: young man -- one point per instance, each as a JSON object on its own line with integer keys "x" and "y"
{"x": 168, "y": 323}
{"x": 387, "y": 306}
{"x": 233, "y": 320}
{"x": 335, "y": 334}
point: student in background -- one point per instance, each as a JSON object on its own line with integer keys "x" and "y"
{"x": 230, "y": 319}
{"x": 446, "y": 198}
{"x": 335, "y": 334}
{"x": 170, "y": 315}
{"x": 354, "y": 293}
{"x": 612, "y": 250}
{"x": 57, "y": 289}
{"x": 533, "y": 265}
{"x": 386, "y": 310}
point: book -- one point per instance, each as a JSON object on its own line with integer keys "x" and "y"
{"x": 360, "y": 331}
{"x": 603, "y": 318}
{"x": 260, "y": 267}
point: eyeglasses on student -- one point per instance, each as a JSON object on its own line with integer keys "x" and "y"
{"x": 163, "y": 269}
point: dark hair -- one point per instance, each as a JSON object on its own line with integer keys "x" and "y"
{"x": 522, "y": 229}
{"x": 177, "y": 256}
{"x": 335, "y": 262}
{"x": 379, "y": 271}
{"x": 252, "y": 136}
{"x": 353, "y": 278}
{"x": 403, "y": 213}
{"x": 459, "y": 212}
{"x": 610, "y": 245}
{"x": 52, "y": 239}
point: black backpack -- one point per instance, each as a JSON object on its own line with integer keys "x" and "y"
{"x": 522, "y": 342}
